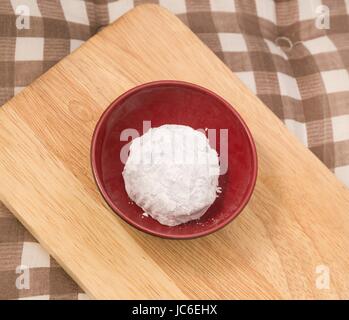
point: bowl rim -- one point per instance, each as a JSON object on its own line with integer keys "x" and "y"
{"x": 118, "y": 211}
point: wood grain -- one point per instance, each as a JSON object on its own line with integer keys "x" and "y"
{"x": 297, "y": 219}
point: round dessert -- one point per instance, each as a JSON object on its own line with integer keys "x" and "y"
{"x": 172, "y": 174}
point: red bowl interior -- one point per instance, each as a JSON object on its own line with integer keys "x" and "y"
{"x": 174, "y": 102}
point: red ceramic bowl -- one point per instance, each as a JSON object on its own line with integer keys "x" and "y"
{"x": 174, "y": 102}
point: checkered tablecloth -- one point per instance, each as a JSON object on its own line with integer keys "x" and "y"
{"x": 305, "y": 83}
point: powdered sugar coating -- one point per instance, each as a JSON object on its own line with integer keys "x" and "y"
{"x": 172, "y": 174}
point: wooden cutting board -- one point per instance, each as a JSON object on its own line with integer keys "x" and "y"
{"x": 294, "y": 231}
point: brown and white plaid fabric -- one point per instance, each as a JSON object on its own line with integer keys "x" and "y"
{"x": 288, "y": 52}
